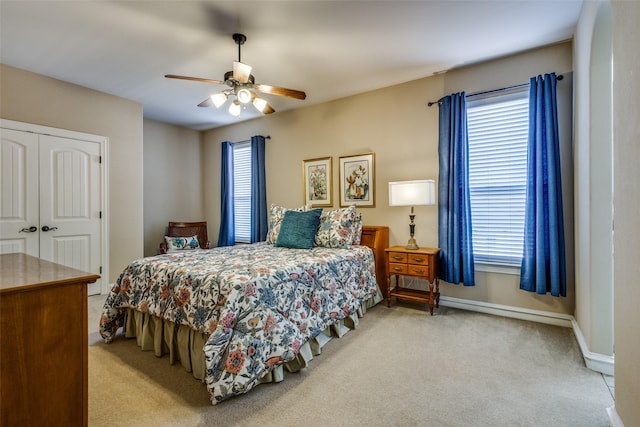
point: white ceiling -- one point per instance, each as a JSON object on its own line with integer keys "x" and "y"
{"x": 329, "y": 49}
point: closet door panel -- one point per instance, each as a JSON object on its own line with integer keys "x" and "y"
{"x": 19, "y": 211}
{"x": 70, "y": 202}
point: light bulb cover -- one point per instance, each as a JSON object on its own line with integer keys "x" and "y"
{"x": 218, "y": 99}
{"x": 234, "y": 109}
{"x": 244, "y": 95}
{"x": 260, "y": 104}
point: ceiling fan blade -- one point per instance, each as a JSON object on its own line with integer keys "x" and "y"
{"x": 206, "y": 103}
{"x": 280, "y": 91}
{"x": 241, "y": 72}
{"x": 195, "y": 79}
{"x": 262, "y": 105}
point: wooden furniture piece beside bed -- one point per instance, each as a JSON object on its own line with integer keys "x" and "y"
{"x": 377, "y": 238}
{"x": 422, "y": 263}
{"x": 187, "y": 229}
{"x": 43, "y": 342}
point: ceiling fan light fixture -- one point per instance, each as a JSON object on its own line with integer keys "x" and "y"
{"x": 260, "y": 104}
{"x": 234, "y": 109}
{"x": 218, "y": 99}
{"x": 241, "y": 72}
{"x": 244, "y": 95}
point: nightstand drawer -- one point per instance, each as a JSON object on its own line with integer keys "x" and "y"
{"x": 397, "y": 268}
{"x": 418, "y": 259}
{"x": 397, "y": 257}
{"x": 419, "y": 270}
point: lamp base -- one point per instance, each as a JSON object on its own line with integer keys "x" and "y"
{"x": 412, "y": 244}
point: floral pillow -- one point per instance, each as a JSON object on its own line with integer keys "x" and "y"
{"x": 276, "y": 215}
{"x": 181, "y": 243}
{"x": 336, "y": 228}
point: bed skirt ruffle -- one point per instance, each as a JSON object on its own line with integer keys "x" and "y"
{"x": 185, "y": 345}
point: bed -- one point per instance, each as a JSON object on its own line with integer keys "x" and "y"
{"x": 239, "y": 316}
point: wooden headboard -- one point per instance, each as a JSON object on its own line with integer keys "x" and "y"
{"x": 377, "y": 238}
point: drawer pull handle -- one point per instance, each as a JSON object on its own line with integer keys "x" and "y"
{"x": 419, "y": 271}
{"x": 418, "y": 259}
{"x": 397, "y": 257}
{"x": 397, "y": 269}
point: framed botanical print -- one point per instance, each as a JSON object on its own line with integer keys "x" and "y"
{"x": 357, "y": 180}
{"x": 317, "y": 182}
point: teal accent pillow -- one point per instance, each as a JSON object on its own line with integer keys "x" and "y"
{"x": 298, "y": 229}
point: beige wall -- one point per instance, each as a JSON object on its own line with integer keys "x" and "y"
{"x": 172, "y": 180}
{"x": 32, "y": 98}
{"x": 396, "y": 124}
{"x": 373, "y": 122}
{"x": 626, "y": 105}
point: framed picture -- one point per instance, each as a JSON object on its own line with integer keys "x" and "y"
{"x": 357, "y": 180}
{"x": 317, "y": 181}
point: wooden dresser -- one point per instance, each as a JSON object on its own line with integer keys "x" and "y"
{"x": 43, "y": 342}
{"x": 422, "y": 263}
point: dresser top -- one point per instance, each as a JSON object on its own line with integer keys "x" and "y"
{"x": 21, "y": 272}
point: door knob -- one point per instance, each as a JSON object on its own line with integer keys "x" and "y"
{"x": 29, "y": 230}
{"x": 47, "y": 228}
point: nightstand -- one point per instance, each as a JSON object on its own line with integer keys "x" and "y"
{"x": 422, "y": 263}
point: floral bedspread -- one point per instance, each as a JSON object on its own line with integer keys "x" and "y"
{"x": 258, "y": 303}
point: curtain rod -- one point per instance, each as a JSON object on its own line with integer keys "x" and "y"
{"x": 249, "y": 140}
{"x": 560, "y": 77}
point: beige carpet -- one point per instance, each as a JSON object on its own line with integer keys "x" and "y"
{"x": 400, "y": 367}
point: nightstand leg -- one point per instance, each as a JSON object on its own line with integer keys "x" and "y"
{"x": 437, "y": 292}
{"x": 388, "y": 295}
{"x": 431, "y": 296}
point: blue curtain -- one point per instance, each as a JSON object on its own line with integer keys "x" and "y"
{"x": 259, "y": 222}
{"x": 454, "y": 207}
{"x": 543, "y": 264}
{"x": 226, "y": 235}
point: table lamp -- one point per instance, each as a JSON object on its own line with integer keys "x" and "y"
{"x": 412, "y": 193}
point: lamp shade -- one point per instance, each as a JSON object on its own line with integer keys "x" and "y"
{"x": 412, "y": 193}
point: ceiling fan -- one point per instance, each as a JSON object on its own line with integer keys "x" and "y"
{"x": 241, "y": 82}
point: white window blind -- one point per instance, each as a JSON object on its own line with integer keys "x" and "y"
{"x": 498, "y": 131}
{"x": 242, "y": 191}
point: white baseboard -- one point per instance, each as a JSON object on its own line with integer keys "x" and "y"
{"x": 547, "y": 317}
{"x": 614, "y": 418}
{"x": 594, "y": 361}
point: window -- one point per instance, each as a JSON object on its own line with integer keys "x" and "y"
{"x": 498, "y": 127}
{"x": 242, "y": 191}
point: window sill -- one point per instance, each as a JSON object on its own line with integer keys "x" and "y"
{"x": 497, "y": 268}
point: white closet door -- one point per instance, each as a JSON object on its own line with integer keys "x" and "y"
{"x": 19, "y": 211}
{"x": 70, "y": 204}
